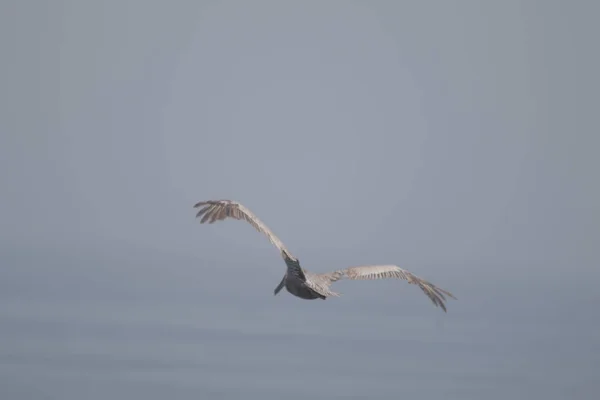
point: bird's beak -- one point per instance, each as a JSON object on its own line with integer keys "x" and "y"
{"x": 279, "y": 287}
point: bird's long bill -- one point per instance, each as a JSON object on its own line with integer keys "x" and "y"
{"x": 279, "y": 287}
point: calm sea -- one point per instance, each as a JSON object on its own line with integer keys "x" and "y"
{"x": 100, "y": 330}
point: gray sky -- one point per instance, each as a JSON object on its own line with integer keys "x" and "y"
{"x": 456, "y": 139}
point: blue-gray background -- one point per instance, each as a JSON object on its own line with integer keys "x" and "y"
{"x": 456, "y": 139}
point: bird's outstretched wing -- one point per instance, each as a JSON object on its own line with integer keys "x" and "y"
{"x": 218, "y": 210}
{"x": 364, "y": 272}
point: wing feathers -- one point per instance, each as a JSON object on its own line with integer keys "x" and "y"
{"x": 218, "y": 210}
{"x": 370, "y": 272}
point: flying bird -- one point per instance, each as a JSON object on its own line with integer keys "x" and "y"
{"x": 301, "y": 282}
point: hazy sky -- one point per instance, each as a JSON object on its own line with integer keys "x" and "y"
{"x": 456, "y": 139}
{"x": 455, "y": 136}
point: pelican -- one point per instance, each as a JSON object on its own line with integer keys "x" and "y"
{"x": 301, "y": 282}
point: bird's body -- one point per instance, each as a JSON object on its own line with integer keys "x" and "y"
{"x": 299, "y": 289}
{"x": 306, "y": 284}
{"x": 295, "y": 281}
